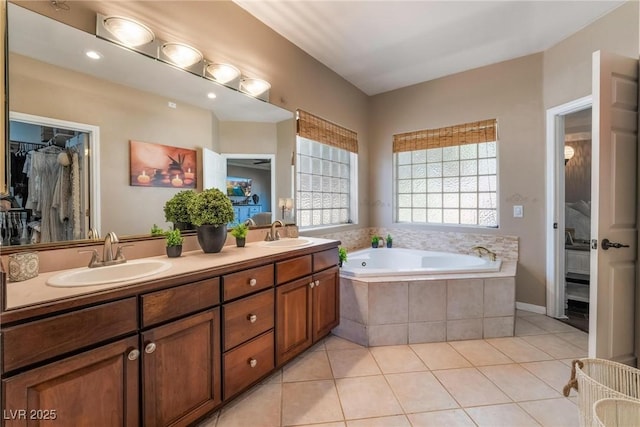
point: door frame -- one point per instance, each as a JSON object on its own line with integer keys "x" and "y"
{"x": 92, "y": 189}
{"x": 555, "y": 200}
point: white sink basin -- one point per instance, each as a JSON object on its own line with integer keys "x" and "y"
{"x": 130, "y": 270}
{"x": 287, "y": 243}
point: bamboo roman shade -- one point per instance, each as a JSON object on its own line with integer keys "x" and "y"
{"x": 467, "y": 133}
{"x": 325, "y": 132}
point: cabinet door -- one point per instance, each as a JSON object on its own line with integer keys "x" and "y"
{"x": 293, "y": 320}
{"x": 326, "y": 302}
{"x": 95, "y": 388}
{"x": 181, "y": 370}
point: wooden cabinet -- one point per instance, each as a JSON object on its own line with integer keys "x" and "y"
{"x": 181, "y": 370}
{"x": 166, "y": 355}
{"x": 307, "y": 308}
{"x": 95, "y": 388}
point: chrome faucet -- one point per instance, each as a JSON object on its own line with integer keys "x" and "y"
{"x": 274, "y": 234}
{"x": 481, "y": 250}
{"x": 93, "y": 234}
{"x": 108, "y": 258}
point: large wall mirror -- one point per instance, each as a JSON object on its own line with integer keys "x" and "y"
{"x": 125, "y": 96}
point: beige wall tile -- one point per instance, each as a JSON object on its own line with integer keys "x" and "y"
{"x": 464, "y": 299}
{"x": 354, "y": 301}
{"x": 467, "y": 329}
{"x": 352, "y": 331}
{"x": 388, "y": 303}
{"x": 426, "y": 332}
{"x": 497, "y": 327}
{"x": 388, "y": 334}
{"x": 499, "y": 297}
{"x": 427, "y": 301}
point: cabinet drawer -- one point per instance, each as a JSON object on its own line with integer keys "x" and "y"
{"x": 292, "y": 269}
{"x": 248, "y": 363}
{"x": 325, "y": 259}
{"x": 245, "y": 282}
{"x": 168, "y": 304}
{"x": 42, "y": 339}
{"x": 247, "y": 318}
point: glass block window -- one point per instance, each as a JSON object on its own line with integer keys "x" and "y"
{"x": 448, "y": 185}
{"x": 324, "y": 193}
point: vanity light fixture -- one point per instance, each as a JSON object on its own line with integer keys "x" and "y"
{"x": 222, "y": 73}
{"x": 569, "y": 152}
{"x": 180, "y": 54}
{"x": 211, "y": 95}
{"x": 128, "y": 32}
{"x": 255, "y": 87}
{"x": 286, "y": 204}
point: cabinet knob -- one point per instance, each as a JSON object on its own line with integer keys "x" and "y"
{"x": 252, "y": 318}
{"x": 150, "y": 348}
{"x": 317, "y": 282}
{"x": 311, "y": 285}
{"x": 253, "y": 362}
{"x": 133, "y": 354}
{"x": 253, "y": 282}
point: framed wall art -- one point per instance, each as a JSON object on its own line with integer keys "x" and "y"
{"x": 157, "y": 165}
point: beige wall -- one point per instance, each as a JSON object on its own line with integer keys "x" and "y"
{"x": 567, "y": 65}
{"x": 510, "y": 92}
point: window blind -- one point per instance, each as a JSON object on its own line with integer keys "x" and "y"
{"x": 466, "y": 133}
{"x": 323, "y": 131}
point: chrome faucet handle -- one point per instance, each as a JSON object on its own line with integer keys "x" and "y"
{"x": 95, "y": 260}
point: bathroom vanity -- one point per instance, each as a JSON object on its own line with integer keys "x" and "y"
{"x": 170, "y": 349}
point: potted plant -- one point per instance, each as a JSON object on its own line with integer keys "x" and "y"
{"x": 240, "y": 233}
{"x": 342, "y": 256}
{"x": 174, "y": 243}
{"x": 175, "y": 210}
{"x": 389, "y": 240}
{"x": 210, "y": 211}
{"x": 156, "y": 231}
{"x": 375, "y": 240}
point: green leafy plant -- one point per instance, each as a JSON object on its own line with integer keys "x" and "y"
{"x": 210, "y": 206}
{"x": 240, "y": 231}
{"x": 157, "y": 231}
{"x": 173, "y": 237}
{"x": 342, "y": 254}
{"x": 375, "y": 240}
{"x": 175, "y": 209}
{"x": 389, "y": 238}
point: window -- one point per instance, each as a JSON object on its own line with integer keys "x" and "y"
{"x": 325, "y": 173}
{"x": 447, "y": 176}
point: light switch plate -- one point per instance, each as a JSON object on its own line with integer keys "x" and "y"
{"x": 518, "y": 211}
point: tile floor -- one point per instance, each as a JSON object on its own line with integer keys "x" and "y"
{"x": 515, "y": 381}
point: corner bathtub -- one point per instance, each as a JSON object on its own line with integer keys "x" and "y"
{"x": 406, "y": 296}
{"x": 384, "y": 262}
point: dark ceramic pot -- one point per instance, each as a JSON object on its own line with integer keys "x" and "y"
{"x": 240, "y": 241}
{"x": 174, "y": 251}
{"x": 211, "y": 238}
{"x": 389, "y": 244}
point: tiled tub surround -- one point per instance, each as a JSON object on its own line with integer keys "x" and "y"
{"x": 428, "y": 309}
{"x": 506, "y": 247}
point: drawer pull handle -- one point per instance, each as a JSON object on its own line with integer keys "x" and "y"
{"x": 133, "y": 354}
{"x": 252, "y": 318}
{"x": 253, "y": 282}
{"x": 150, "y": 348}
{"x": 253, "y": 362}
{"x": 311, "y": 285}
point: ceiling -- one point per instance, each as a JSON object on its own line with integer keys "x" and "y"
{"x": 380, "y": 46}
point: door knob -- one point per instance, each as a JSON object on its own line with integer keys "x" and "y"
{"x": 606, "y": 244}
{"x": 252, "y": 318}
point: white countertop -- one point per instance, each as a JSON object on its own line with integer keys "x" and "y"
{"x": 36, "y": 291}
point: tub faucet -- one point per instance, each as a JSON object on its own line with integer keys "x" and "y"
{"x": 274, "y": 234}
{"x": 481, "y": 250}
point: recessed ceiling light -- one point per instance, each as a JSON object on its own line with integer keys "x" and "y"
{"x": 211, "y": 95}
{"x": 93, "y": 54}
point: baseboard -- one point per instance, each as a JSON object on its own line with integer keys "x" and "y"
{"x": 540, "y": 309}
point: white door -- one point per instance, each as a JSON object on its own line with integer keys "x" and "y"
{"x": 613, "y": 211}
{"x": 214, "y": 171}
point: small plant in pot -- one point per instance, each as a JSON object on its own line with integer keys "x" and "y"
{"x": 375, "y": 240}
{"x": 175, "y": 210}
{"x": 174, "y": 243}
{"x": 240, "y": 233}
{"x": 342, "y": 256}
{"x": 389, "y": 240}
{"x": 210, "y": 211}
